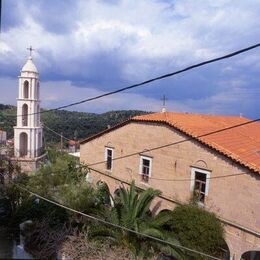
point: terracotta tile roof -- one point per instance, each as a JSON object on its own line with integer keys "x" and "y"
{"x": 242, "y": 144}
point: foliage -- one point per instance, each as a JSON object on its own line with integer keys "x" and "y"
{"x": 12, "y": 192}
{"x": 131, "y": 210}
{"x": 63, "y": 170}
{"x": 64, "y": 181}
{"x": 103, "y": 194}
{"x": 81, "y": 197}
{"x": 24, "y": 206}
{"x": 198, "y": 229}
{"x": 56, "y": 180}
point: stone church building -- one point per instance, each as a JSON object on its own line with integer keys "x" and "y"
{"x": 172, "y": 152}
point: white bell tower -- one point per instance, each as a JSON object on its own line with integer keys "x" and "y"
{"x": 28, "y": 130}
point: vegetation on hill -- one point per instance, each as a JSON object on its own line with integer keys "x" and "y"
{"x": 77, "y": 125}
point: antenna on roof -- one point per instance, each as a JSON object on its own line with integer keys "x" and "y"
{"x": 164, "y": 104}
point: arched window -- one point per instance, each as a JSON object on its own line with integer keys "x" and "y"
{"x": 23, "y": 144}
{"x": 26, "y": 89}
{"x": 25, "y": 115}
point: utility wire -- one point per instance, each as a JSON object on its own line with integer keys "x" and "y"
{"x": 178, "y": 142}
{"x": 208, "y": 178}
{"x": 171, "y": 180}
{"x": 114, "y": 225}
{"x": 151, "y": 80}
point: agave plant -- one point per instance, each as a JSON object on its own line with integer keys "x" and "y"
{"x": 132, "y": 211}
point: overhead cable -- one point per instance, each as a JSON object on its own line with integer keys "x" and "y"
{"x": 151, "y": 80}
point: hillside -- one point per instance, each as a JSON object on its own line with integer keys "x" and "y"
{"x": 71, "y": 124}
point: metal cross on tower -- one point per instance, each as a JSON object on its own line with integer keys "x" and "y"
{"x": 31, "y": 50}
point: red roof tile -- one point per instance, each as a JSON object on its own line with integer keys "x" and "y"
{"x": 241, "y": 144}
{"x": 73, "y": 142}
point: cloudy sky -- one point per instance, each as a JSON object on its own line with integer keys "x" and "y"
{"x": 85, "y": 48}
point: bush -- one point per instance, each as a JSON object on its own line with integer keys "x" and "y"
{"x": 81, "y": 197}
{"x": 198, "y": 229}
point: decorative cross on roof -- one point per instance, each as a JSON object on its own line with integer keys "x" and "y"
{"x": 31, "y": 50}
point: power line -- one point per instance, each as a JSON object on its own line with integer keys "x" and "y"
{"x": 115, "y": 225}
{"x": 178, "y": 142}
{"x": 151, "y": 80}
{"x": 172, "y": 200}
{"x": 172, "y": 180}
{"x": 208, "y": 178}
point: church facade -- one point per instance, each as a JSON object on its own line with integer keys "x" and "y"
{"x": 28, "y": 133}
{"x": 174, "y": 153}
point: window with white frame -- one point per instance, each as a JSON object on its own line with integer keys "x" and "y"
{"x": 145, "y": 168}
{"x": 109, "y": 158}
{"x": 200, "y": 183}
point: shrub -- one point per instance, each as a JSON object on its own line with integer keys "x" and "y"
{"x": 198, "y": 229}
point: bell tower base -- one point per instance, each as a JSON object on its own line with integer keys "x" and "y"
{"x": 29, "y": 165}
